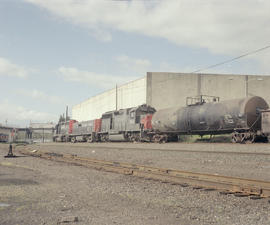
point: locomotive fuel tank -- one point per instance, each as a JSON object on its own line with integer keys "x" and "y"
{"x": 211, "y": 118}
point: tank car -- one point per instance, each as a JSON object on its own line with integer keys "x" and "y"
{"x": 266, "y": 123}
{"x": 241, "y": 117}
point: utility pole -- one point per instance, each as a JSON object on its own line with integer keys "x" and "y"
{"x": 66, "y": 113}
{"x": 116, "y": 97}
{"x": 246, "y": 85}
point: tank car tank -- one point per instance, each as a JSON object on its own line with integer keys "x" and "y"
{"x": 238, "y": 116}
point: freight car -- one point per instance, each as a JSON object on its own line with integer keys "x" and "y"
{"x": 266, "y": 123}
{"x": 241, "y": 117}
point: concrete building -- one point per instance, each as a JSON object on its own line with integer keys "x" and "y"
{"x": 41, "y": 132}
{"x": 124, "y": 96}
{"x": 5, "y": 129}
{"x": 42, "y": 126}
{"x": 162, "y": 90}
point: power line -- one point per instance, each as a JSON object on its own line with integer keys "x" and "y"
{"x": 233, "y": 59}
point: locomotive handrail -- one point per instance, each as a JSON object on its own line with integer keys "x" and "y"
{"x": 199, "y": 99}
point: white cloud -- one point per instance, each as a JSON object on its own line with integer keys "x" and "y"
{"x": 8, "y": 68}
{"x": 101, "y": 35}
{"x": 133, "y": 64}
{"x": 91, "y": 78}
{"x": 22, "y": 116}
{"x": 41, "y": 96}
{"x": 229, "y": 27}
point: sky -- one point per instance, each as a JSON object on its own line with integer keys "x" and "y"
{"x": 55, "y": 53}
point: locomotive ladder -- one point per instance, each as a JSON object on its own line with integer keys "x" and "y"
{"x": 225, "y": 184}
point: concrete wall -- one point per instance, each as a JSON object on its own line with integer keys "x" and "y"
{"x": 171, "y": 89}
{"x": 162, "y": 90}
{"x": 128, "y": 95}
{"x": 259, "y": 86}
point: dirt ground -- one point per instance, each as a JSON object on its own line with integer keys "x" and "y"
{"x": 37, "y": 191}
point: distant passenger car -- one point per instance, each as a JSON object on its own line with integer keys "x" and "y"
{"x": 4, "y": 137}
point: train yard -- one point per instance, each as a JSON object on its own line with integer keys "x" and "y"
{"x": 229, "y": 185}
{"x": 146, "y": 186}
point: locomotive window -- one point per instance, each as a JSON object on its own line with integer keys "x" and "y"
{"x": 132, "y": 115}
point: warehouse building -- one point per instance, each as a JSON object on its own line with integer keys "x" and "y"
{"x": 162, "y": 90}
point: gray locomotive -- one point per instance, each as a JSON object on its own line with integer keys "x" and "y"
{"x": 125, "y": 124}
{"x": 241, "y": 117}
{"x": 130, "y": 124}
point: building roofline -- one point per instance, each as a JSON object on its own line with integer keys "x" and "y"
{"x": 110, "y": 90}
{"x": 219, "y": 74}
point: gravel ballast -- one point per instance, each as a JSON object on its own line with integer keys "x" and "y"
{"x": 37, "y": 191}
{"x": 250, "y": 161}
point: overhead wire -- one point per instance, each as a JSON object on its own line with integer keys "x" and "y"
{"x": 196, "y": 71}
{"x": 233, "y": 59}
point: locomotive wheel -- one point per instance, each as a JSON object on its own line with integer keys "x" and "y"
{"x": 164, "y": 139}
{"x": 136, "y": 138}
{"x": 90, "y": 139}
{"x": 131, "y": 138}
{"x": 104, "y": 138}
{"x": 73, "y": 139}
{"x": 156, "y": 138}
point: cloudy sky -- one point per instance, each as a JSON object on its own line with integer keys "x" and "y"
{"x": 55, "y": 53}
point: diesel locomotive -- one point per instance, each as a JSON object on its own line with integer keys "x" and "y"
{"x": 131, "y": 124}
{"x": 243, "y": 118}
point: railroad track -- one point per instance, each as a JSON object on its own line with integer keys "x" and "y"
{"x": 224, "y": 184}
{"x": 169, "y": 150}
{"x": 186, "y": 151}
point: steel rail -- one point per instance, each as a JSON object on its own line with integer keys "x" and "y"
{"x": 184, "y": 150}
{"x": 244, "y": 187}
{"x": 170, "y": 150}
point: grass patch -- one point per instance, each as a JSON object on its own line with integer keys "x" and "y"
{"x": 225, "y": 138}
